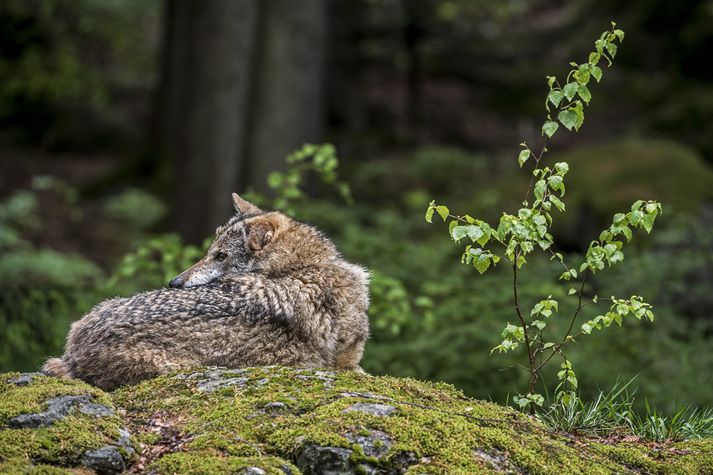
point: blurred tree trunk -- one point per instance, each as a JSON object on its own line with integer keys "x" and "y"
{"x": 205, "y": 87}
{"x": 343, "y": 91}
{"x": 417, "y": 15}
{"x": 242, "y": 86}
{"x": 288, "y": 103}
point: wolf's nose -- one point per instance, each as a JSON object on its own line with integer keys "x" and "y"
{"x": 176, "y": 283}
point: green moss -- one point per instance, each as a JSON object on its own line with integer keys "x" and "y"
{"x": 688, "y": 457}
{"x": 433, "y": 421}
{"x": 206, "y": 463}
{"x": 32, "y": 398}
{"x": 13, "y": 468}
{"x": 64, "y": 442}
{"x": 433, "y": 427}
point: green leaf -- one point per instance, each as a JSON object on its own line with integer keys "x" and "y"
{"x": 458, "y": 233}
{"x": 474, "y": 232}
{"x": 524, "y": 155}
{"x": 611, "y": 48}
{"x": 627, "y": 232}
{"x": 555, "y": 97}
{"x": 570, "y": 90}
{"x": 557, "y": 202}
{"x": 562, "y": 168}
{"x": 584, "y": 93}
{"x": 579, "y": 111}
{"x": 568, "y": 118}
{"x": 429, "y": 214}
{"x": 556, "y": 183}
{"x": 596, "y": 73}
{"x": 619, "y": 34}
{"x": 582, "y": 74}
{"x": 527, "y": 246}
{"x": 482, "y": 263}
{"x": 443, "y": 212}
{"x": 483, "y": 240}
{"x": 549, "y": 128}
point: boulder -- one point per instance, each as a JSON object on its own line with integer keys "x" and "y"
{"x": 278, "y": 420}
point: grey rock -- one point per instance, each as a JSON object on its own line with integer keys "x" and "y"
{"x": 58, "y": 408}
{"x": 497, "y": 461}
{"x": 24, "y": 379}
{"x": 374, "y": 409}
{"x": 105, "y": 461}
{"x": 213, "y": 378}
{"x": 252, "y": 471}
{"x": 319, "y": 460}
{"x": 375, "y": 444}
{"x": 400, "y": 462}
{"x": 315, "y": 459}
{"x": 124, "y": 441}
{"x": 96, "y": 410}
{"x": 208, "y": 386}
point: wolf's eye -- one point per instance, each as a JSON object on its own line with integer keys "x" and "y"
{"x": 221, "y": 256}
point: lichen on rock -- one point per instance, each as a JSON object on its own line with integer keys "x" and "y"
{"x": 278, "y": 420}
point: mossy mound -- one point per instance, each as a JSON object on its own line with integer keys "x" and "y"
{"x": 290, "y": 421}
{"x": 49, "y": 424}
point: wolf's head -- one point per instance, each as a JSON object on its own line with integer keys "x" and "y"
{"x": 254, "y": 240}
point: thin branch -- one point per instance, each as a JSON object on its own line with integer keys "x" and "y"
{"x": 566, "y": 267}
{"x": 537, "y": 163}
{"x": 571, "y": 325}
{"x": 530, "y": 354}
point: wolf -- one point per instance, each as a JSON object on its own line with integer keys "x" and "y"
{"x": 270, "y": 291}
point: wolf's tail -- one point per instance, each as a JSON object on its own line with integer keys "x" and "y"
{"x": 57, "y": 367}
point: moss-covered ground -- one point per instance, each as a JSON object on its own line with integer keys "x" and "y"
{"x": 53, "y": 446}
{"x": 282, "y": 420}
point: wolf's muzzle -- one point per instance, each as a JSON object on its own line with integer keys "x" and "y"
{"x": 176, "y": 283}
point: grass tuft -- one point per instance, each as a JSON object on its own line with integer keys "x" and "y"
{"x": 612, "y": 412}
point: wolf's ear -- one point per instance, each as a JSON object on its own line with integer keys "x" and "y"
{"x": 244, "y": 207}
{"x": 260, "y": 234}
